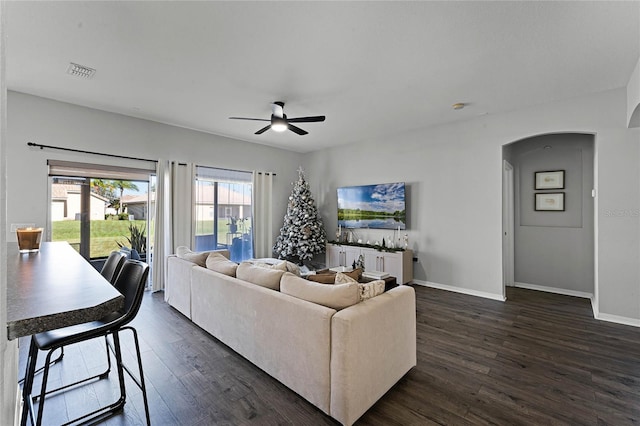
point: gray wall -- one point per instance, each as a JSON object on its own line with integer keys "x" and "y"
{"x": 555, "y": 248}
{"x": 454, "y": 176}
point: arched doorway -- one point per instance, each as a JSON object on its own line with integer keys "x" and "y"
{"x": 552, "y": 227}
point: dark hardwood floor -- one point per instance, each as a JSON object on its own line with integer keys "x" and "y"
{"x": 536, "y": 359}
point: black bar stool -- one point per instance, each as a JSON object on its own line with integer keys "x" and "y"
{"x": 131, "y": 283}
{"x": 110, "y": 271}
{"x": 113, "y": 265}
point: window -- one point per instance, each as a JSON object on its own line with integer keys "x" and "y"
{"x": 223, "y": 211}
{"x": 99, "y": 208}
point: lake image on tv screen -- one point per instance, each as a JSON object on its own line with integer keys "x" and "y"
{"x": 372, "y": 206}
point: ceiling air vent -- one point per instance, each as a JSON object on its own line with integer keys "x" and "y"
{"x": 80, "y": 71}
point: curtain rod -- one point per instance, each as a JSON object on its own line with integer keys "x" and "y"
{"x": 229, "y": 170}
{"x": 37, "y": 145}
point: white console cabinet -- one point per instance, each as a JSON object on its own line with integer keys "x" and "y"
{"x": 339, "y": 255}
{"x": 398, "y": 264}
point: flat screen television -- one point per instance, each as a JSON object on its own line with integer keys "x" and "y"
{"x": 372, "y": 206}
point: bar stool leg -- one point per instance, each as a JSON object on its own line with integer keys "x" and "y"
{"x": 27, "y": 409}
{"x": 138, "y": 381}
{"x": 43, "y": 389}
{"x": 141, "y": 384}
{"x": 119, "y": 366}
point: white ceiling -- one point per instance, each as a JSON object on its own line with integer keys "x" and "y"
{"x": 373, "y": 68}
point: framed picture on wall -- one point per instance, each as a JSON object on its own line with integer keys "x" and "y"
{"x": 549, "y": 201}
{"x": 550, "y": 179}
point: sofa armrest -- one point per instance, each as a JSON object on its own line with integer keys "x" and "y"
{"x": 177, "y": 291}
{"x": 373, "y": 344}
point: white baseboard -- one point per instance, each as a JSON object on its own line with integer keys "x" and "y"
{"x": 617, "y": 319}
{"x": 594, "y": 306}
{"x": 596, "y": 314}
{"x": 555, "y": 290}
{"x": 462, "y": 290}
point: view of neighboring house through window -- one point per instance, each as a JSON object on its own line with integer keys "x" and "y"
{"x": 223, "y": 215}
{"x": 99, "y": 209}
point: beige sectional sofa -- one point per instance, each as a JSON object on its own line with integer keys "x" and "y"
{"x": 342, "y": 361}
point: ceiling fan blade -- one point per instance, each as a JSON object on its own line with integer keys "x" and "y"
{"x": 264, "y": 129}
{"x": 313, "y": 119}
{"x": 244, "y": 118}
{"x": 297, "y": 130}
{"x": 277, "y": 109}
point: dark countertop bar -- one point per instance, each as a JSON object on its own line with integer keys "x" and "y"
{"x": 54, "y": 288}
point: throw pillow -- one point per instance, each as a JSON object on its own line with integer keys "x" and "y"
{"x": 264, "y": 277}
{"x": 331, "y": 278}
{"x": 292, "y": 267}
{"x": 337, "y": 297}
{"x": 342, "y": 278}
{"x": 356, "y": 274}
{"x": 278, "y": 265}
{"x": 281, "y": 265}
{"x": 218, "y": 263}
{"x": 322, "y": 278}
{"x": 371, "y": 289}
{"x": 199, "y": 259}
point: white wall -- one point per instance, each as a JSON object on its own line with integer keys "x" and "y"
{"x": 8, "y": 349}
{"x": 48, "y": 122}
{"x": 454, "y": 179}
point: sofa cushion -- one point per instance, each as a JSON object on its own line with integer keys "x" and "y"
{"x": 264, "y": 277}
{"x": 371, "y": 289}
{"x": 219, "y": 263}
{"x": 199, "y": 258}
{"x": 337, "y": 296}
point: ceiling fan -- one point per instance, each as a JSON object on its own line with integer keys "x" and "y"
{"x": 280, "y": 122}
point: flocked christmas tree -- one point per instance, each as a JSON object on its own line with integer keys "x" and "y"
{"x": 302, "y": 235}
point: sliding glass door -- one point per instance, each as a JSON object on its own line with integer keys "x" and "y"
{"x": 98, "y": 209}
{"x": 223, "y": 217}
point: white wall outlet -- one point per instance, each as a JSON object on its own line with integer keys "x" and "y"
{"x": 15, "y": 226}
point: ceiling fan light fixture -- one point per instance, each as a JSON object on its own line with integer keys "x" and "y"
{"x": 279, "y": 125}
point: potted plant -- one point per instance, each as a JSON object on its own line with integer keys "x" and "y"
{"x": 136, "y": 239}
